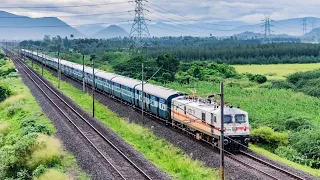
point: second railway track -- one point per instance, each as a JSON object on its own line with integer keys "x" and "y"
{"x": 122, "y": 165}
{"x": 269, "y": 170}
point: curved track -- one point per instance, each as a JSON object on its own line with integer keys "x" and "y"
{"x": 122, "y": 165}
{"x": 243, "y": 158}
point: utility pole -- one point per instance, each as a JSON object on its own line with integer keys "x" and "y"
{"x": 83, "y": 76}
{"x": 93, "y": 83}
{"x": 139, "y": 29}
{"x": 59, "y": 72}
{"x": 6, "y": 48}
{"x": 142, "y": 96}
{"x": 32, "y": 55}
{"x": 222, "y": 132}
{"x": 42, "y": 64}
{"x": 304, "y": 26}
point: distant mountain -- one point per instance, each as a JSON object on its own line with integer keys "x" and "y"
{"x": 21, "y": 27}
{"x": 89, "y": 30}
{"x": 111, "y": 32}
{"x": 312, "y": 36}
{"x": 290, "y": 27}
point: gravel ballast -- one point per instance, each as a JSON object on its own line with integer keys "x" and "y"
{"x": 198, "y": 150}
{"x": 87, "y": 157}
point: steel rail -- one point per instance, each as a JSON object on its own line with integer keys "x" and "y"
{"x": 230, "y": 155}
{"x": 272, "y": 166}
{"x": 17, "y": 59}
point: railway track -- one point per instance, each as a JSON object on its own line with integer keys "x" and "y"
{"x": 269, "y": 170}
{"x": 120, "y": 163}
{"x": 268, "y": 167}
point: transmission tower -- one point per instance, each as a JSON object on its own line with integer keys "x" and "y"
{"x": 139, "y": 28}
{"x": 313, "y": 25}
{"x": 304, "y": 26}
{"x": 267, "y": 28}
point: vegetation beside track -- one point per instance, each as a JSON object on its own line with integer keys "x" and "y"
{"x": 282, "y": 121}
{"x": 28, "y": 149}
{"x": 315, "y": 172}
{"x": 164, "y": 155}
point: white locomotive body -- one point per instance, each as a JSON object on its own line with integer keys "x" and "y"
{"x": 203, "y": 118}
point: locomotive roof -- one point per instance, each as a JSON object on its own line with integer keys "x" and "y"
{"x": 158, "y": 91}
{"x": 208, "y": 107}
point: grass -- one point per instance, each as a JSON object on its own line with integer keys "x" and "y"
{"x": 276, "y": 71}
{"x": 315, "y": 172}
{"x": 164, "y": 155}
{"x": 21, "y": 106}
{"x": 53, "y": 174}
{"x": 49, "y": 152}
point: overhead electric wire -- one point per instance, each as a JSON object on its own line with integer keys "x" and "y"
{"x": 76, "y": 15}
{"x": 56, "y": 7}
{"x": 66, "y": 25}
{"x": 188, "y": 24}
{"x": 186, "y": 17}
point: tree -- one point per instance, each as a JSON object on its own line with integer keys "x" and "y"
{"x": 169, "y": 63}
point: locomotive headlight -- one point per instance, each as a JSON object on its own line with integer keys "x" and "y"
{"x": 245, "y": 128}
{"x": 226, "y": 142}
{"x": 246, "y": 140}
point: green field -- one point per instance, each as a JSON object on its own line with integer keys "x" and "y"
{"x": 276, "y": 71}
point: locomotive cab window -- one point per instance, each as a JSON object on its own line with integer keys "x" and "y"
{"x": 240, "y": 118}
{"x": 203, "y": 117}
{"x": 227, "y": 119}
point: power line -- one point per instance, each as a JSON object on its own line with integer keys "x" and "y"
{"x": 188, "y": 24}
{"x": 76, "y": 15}
{"x": 139, "y": 27}
{"x": 267, "y": 28}
{"x": 56, "y": 7}
{"x": 187, "y": 17}
{"x": 55, "y": 26}
{"x": 304, "y": 26}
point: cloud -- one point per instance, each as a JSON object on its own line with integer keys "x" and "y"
{"x": 249, "y": 11}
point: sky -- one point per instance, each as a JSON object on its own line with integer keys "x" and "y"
{"x": 248, "y": 11}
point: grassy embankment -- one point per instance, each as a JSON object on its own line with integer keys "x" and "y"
{"x": 276, "y": 71}
{"x": 164, "y": 155}
{"x": 266, "y": 107}
{"x": 28, "y": 149}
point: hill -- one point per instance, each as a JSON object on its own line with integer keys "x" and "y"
{"x": 312, "y": 36}
{"x": 89, "y": 30}
{"x": 15, "y": 27}
{"x": 111, "y": 32}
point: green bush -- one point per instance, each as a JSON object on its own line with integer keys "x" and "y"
{"x": 287, "y": 152}
{"x": 267, "y": 136}
{"x": 258, "y": 78}
{"x": 30, "y": 126}
{"x": 297, "y": 123}
{"x": 282, "y": 84}
{"x": 5, "y": 92}
{"x": 39, "y": 171}
{"x": 306, "y": 142}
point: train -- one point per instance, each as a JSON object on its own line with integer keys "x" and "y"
{"x": 200, "y": 117}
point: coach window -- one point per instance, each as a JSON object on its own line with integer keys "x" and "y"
{"x": 203, "y": 117}
{"x": 213, "y": 119}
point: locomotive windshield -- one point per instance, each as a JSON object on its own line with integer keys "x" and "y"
{"x": 240, "y": 118}
{"x": 227, "y": 119}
